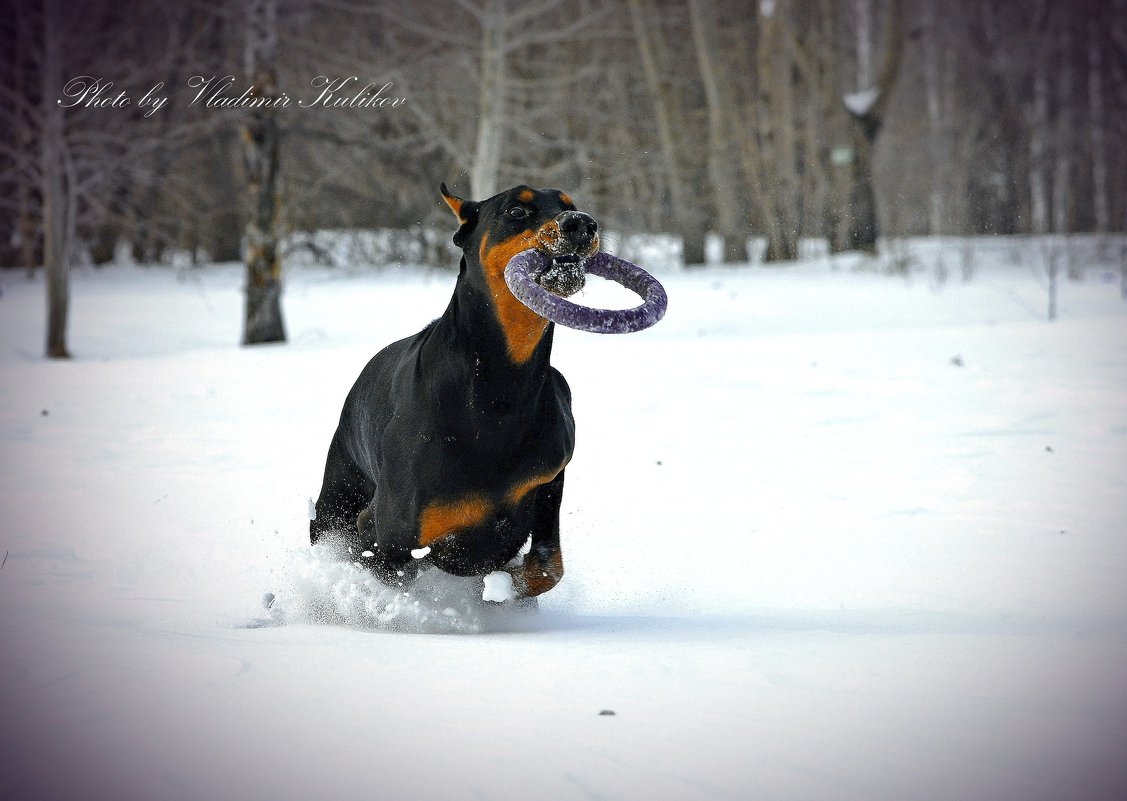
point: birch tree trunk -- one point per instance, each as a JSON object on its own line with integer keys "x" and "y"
{"x": 863, "y": 10}
{"x": 56, "y": 246}
{"x": 261, "y": 142}
{"x": 486, "y": 171}
{"x": 720, "y": 167}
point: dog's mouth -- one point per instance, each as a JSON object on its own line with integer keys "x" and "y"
{"x": 563, "y": 274}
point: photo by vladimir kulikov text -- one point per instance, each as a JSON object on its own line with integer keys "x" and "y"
{"x": 221, "y": 92}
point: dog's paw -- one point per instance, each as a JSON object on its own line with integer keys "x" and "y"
{"x": 397, "y": 576}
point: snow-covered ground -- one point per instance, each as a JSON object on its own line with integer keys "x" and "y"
{"x": 828, "y": 535}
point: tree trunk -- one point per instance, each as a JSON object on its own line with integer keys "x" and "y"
{"x": 932, "y": 90}
{"x": 223, "y": 230}
{"x": 1038, "y": 185}
{"x": 865, "y": 122}
{"x": 56, "y": 258}
{"x": 26, "y": 230}
{"x": 689, "y": 224}
{"x": 261, "y": 141}
{"x": 149, "y": 240}
{"x": 1062, "y": 162}
{"x": 778, "y": 179}
{"x": 486, "y": 170}
{"x": 1097, "y": 133}
{"x": 838, "y": 154}
{"x": 721, "y": 171}
{"x": 104, "y": 239}
{"x": 864, "y": 230}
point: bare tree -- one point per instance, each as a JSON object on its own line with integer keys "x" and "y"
{"x": 774, "y": 156}
{"x": 933, "y": 83}
{"x": 659, "y": 115}
{"x": 1019, "y": 58}
{"x": 722, "y": 170}
{"x": 18, "y": 112}
{"x": 492, "y": 94}
{"x": 56, "y": 173}
{"x": 1038, "y": 113}
{"x": 647, "y": 39}
{"x": 853, "y": 224}
{"x": 73, "y": 98}
{"x": 262, "y": 321}
{"x": 1062, "y": 162}
{"x": 1097, "y": 127}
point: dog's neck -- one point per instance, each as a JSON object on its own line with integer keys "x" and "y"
{"x": 482, "y": 323}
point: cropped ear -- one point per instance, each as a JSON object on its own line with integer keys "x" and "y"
{"x": 461, "y": 208}
{"x": 464, "y": 210}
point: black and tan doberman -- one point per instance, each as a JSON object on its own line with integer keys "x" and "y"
{"x": 456, "y": 439}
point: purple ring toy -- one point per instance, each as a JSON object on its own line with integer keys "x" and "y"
{"x": 523, "y": 266}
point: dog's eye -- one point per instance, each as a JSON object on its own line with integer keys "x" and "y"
{"x": 518, "y": 212}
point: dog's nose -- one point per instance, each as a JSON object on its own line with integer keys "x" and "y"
{"x": 577, "y": 227}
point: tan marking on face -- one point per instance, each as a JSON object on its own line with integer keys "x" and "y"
{"x": 440, "y": 520}
{"x": 566, "y": 200}
{"x": 526, "y": 196}
{"x": 521, "y": 326}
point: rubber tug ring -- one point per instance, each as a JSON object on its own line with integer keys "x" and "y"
{"x": 523, "y": 266}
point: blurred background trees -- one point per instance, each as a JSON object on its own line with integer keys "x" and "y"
{"x": 770, "y": 118}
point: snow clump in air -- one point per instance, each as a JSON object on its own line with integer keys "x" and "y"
{"x": 498, "y": 587}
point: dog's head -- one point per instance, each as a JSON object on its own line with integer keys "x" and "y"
{"x": 492, "y": 231}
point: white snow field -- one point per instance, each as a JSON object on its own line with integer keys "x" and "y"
{"x": 829, "y": 534}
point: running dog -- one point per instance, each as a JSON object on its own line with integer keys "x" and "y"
{"x": 452, "y": 443}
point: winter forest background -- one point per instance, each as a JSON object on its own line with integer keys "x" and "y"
{"x": 839, "y": 120}
{"x": 846, "y": 525}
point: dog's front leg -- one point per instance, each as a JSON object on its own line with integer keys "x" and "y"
{"x": 542, "y": 568}
{"x": 387, "y": 548}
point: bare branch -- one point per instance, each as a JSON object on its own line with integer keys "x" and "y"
{"x": 565, "y": 34}
{"x": 519, "y": 17}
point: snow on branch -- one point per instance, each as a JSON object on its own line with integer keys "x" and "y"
{"x": 861, "y": 103}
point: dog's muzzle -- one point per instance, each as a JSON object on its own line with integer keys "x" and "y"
{"x": 567, "y": 240}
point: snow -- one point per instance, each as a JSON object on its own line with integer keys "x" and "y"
{"x": 498, "y": 587}
{"x": 828, "y": 534}
{"x": 859, "y": 103}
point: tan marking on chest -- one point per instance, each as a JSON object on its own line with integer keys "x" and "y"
{"x": 514, "y": 496}
{"x": 439, "y": 520}
{"x": 521, "y": 326}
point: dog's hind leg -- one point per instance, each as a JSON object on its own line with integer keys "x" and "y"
{"x": 345, "y": 493}
{"x": 543, "y": 565}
